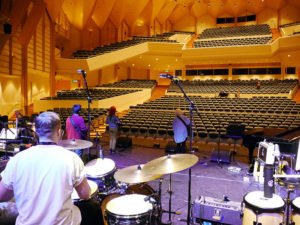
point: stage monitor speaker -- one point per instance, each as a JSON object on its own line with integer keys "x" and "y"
{"x": 124, "y": 142}
{"x": 207, "y": 210}
{"x": 7, "y": 28}
{"x": 171, "y": 148}
{"x": 221, "y": 156}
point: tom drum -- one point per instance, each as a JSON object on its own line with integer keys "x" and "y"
{"x": 102, "y": 172}
{"x": 296, "y": 210}
{"x": 261, "y": 210}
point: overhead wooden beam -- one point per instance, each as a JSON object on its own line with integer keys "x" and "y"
{"x": 31, "y": 22}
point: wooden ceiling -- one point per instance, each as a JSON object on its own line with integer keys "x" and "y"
{"x": 81, "y": 12}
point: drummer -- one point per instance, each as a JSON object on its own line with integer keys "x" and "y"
{"x": 42, "y": 179}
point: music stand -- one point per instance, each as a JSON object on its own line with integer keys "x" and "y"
{"x": 235, "y": 131}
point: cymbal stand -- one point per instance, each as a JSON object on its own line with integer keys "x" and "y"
{"x": 288, "y": 205}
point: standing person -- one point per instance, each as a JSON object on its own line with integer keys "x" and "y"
{"x": 113, "y": 122}
{"x": 180, "y": 129}
{"x": 75, "y": 127}
{"x": 42, "y": 179}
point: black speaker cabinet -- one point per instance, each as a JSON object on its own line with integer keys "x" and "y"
{"x": 7, "y": 28}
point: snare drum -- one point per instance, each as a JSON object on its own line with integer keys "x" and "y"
{"x": 102, "y": 172}
{"x": 258, "y": 209}
{"x": 94, "y": 190}
{"x": 296, "y": 210}
{"x": 143, "y": 189}
{"x": 129, "y": 209}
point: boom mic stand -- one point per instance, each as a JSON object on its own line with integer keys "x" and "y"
{"x": 89, "y": 100}
{"x": 191, "y": 108}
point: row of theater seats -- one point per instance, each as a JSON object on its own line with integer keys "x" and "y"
{"x": 232, "y": 42}
{"x": 124, "y": 44}
{"x": 250, "y": 30}
{"x": 262, "y": 105}
{"x": 132, "y": 84}
{"x": 96, "y": 94}
{"x": 158, "y": 123}
{"x": 245, "y": 87}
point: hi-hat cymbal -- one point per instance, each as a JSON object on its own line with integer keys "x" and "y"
{"x": 75, "y": 144}
{"x": 135, "y": 174}
{"x": 170, "y": 163}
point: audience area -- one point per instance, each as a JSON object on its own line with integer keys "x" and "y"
{"x": 158, "y": 123}
{"x": 132, "y": 84}
{"x": 263, "y": 105}
{"x": 232, "y": 86}
{"x": 100, "y": 50}
{"x": 258, "y": 34}
{"x": 96, "y": 94}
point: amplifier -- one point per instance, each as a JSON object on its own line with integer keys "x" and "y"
{"x": 210, "y": 211}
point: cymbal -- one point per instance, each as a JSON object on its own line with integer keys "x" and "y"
{"x": 135, "y": 174}
{"x": 75, "y": 144}
{"x": 170, "y": 163}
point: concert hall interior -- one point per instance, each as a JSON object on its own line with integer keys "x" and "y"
{"x": 230, "y": 68}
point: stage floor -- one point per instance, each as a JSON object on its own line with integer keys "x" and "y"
{"x": 208, "y": 179}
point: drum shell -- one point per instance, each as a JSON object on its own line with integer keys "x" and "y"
{"x": 105, "y": 182}
{"x": 102, "y": 172}
{"x": 129, "y": 209}
{"x": 267, "y": 216}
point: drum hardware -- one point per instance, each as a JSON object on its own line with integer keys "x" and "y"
{"x": 170, "y": 164}
{"x": 74, "y": 144}
{"x": 291, "y": 182}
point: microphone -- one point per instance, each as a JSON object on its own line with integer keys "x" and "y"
{"x": 81, "y": 71}
{"x": 165, "y": 75}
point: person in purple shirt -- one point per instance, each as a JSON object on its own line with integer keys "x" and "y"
{"x": 113, "y": 123}
{"x": 75, "y": 127}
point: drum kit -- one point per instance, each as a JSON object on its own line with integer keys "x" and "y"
{"x": 124, "y": 194}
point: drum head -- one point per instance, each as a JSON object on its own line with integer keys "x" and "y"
{"x": 94, "y": 188}
{"x": 99, "y": 167}
{"x": 296, "y": 204}
{"x": 129, "y": 205}
{"x": 258, "y": 202}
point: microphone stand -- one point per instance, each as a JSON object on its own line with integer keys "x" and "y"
{"x": 89, "y": 100}
{"x": 191, "y": 108}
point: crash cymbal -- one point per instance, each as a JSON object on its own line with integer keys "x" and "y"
{"x": 135, "y": 174}
{"x": 75, "y": 144}
{"x": 170, "y": 163}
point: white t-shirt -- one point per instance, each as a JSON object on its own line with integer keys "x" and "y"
{"x": 42, "y": 179}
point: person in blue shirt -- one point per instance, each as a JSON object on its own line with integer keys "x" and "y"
{"x": 113, "y": 122}
{"x": 180, "y": 126}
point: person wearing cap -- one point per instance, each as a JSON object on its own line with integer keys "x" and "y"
{"x": 113, "y": 122}
{"x": 75, "y": 127}
{"x": 180, "y": 129}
